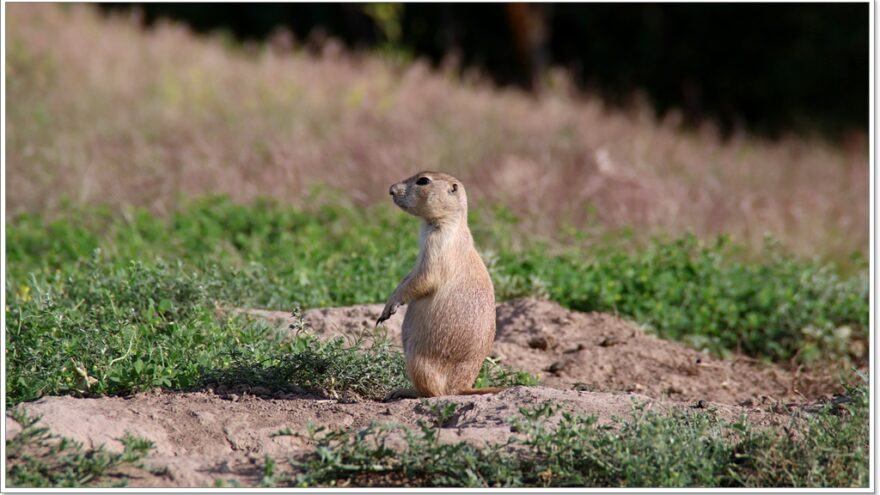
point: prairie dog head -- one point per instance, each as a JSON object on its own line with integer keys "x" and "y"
{"x": 434, "y": 196}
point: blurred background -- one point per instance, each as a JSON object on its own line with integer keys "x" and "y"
{"x": 742, "y": 119}
{"x": 767, "y": 68}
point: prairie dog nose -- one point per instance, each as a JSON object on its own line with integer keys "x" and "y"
{"x": 397, "y": 189}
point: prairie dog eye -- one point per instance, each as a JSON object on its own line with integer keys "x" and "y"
{"x": 424, "y": 181}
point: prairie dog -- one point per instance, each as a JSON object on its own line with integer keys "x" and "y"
{"x": 450, "y": 319}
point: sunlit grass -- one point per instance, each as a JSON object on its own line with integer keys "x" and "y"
{"x": 106, "y": 303}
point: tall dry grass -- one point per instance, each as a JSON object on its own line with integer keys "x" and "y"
{"x": 100, "y": 110}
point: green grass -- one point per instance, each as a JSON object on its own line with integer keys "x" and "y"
{"x": 100, "y": 302}
{"x": 101, "y": 330}
{"x": 680, "y": 449}
{"x": 37, "y": 458}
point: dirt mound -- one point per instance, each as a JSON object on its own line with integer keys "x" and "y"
{"x": 208, "y": 435}
{"x": 590, "y": 364}
{"x": 599, "y": 352}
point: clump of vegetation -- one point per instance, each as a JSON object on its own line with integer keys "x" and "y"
{"x": 117, "y": 329}
{"x": 495, "y": 374}
{"x": 680, "y": 449}
{"x": 37, "y": 458}
{"x": 368, "y": 366}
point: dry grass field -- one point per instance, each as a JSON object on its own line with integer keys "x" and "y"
{"x": 102, "y": 112}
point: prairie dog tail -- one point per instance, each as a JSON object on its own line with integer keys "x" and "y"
{"x": 481, "y": 391}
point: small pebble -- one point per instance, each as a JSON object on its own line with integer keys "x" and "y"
{"x": 555, "y": 367}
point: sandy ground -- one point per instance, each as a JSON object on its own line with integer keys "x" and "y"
{"x": 592, "y": 364}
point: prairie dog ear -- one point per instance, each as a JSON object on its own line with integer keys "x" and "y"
{"x": 454, "y": 188}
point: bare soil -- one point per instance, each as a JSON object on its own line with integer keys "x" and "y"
{"x": 600, "y": 352}
{"x": 590, "y": 363}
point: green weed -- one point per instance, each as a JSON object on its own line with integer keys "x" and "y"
{"x": 37, "y": 458}
{"x": 495, "y": 374}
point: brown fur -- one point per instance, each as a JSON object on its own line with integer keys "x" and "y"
{"x": 450, "y": 321}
